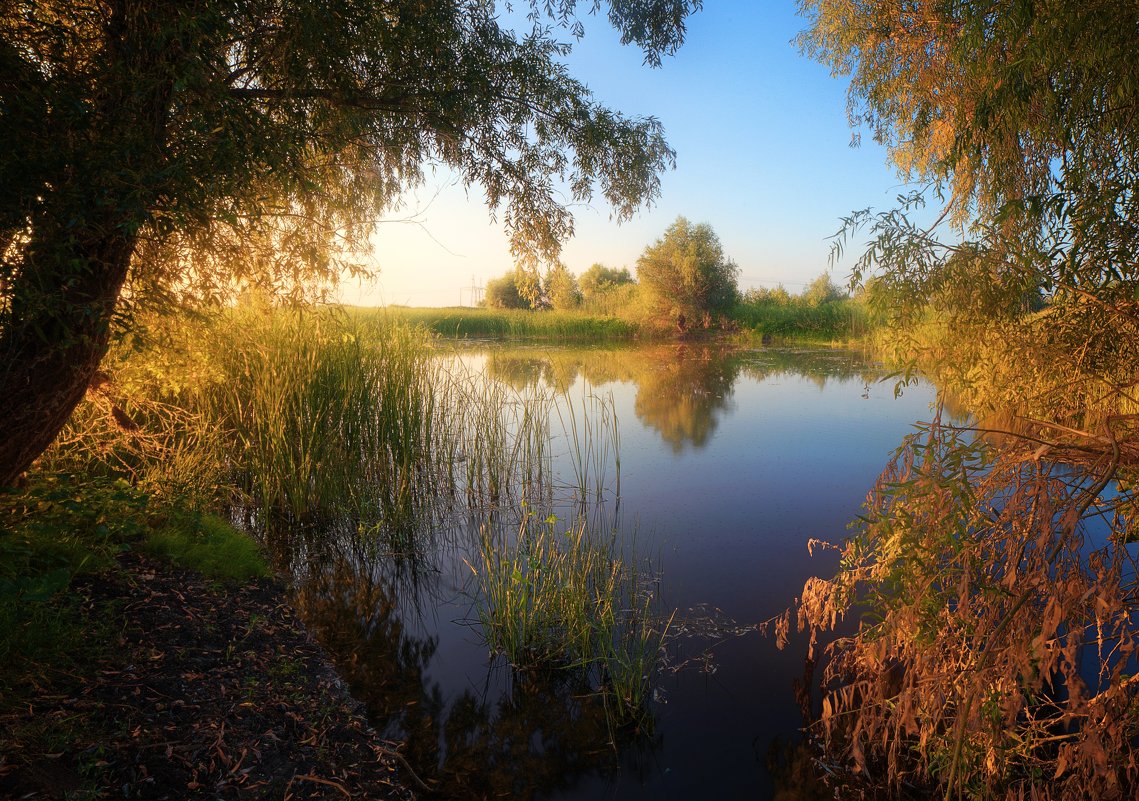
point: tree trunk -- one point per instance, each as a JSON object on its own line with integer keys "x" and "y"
{"x": 82, "y": 225}
{"x": 48, "y": 358}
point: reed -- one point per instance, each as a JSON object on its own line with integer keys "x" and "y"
{"x": 328, "y": 416}
{"x": 472, "y": 323}
{"x": 550, "y": 596}
{"x": 839, "y": 320}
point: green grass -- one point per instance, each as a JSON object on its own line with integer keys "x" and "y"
{"x": 208, "y": 545}
{"x": 471, "y": 323}
{"x": 550, "y": 597}
{"x": 841, "y": 320}
{"x": 60, "y": 527}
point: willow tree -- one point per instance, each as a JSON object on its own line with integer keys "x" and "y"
{"x": 167, "y": 152}
{"x": 686, "y": 276}
{"x": 999, "y": 656}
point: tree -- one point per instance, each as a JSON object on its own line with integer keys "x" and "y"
{"x": 159, "y": 154}
{"x": 822, "y": 290}
{"x": 687, "y": 276}
{"x": 502, "y": 293}
{"x": 599, "y": 279}
{"x": 561, "y": 288}
{"x": 1022, "y": 117}
{"x": 989, "y": 657}
{"x": 765, "y": 295}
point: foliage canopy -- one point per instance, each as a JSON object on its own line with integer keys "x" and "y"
{"x": 502, "y": 293}
{"x": 687, "y": 276}
{"x": 159, "y": 157}
{"x": 599, "y": 279}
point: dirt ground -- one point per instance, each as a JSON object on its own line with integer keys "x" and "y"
{"x": 210, "y": 692}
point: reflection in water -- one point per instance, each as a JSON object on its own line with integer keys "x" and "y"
{"x": 721, "y": 479}
{"x": 682, "y": 389}
{"x": 679, "y": 396}
{"x": 546, "y": 731}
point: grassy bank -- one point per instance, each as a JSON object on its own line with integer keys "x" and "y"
{"x": 61, "y": 528}
{"x": 328, "y": 430}
{"x": 789, "y": 319}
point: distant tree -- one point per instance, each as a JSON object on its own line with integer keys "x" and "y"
{"x": 687, "y": 276}
{"x": 529, "y": 285}
{"x": 822, "y": 290}
{"x": 502, "y": 293}
{"x": 599, "y": 279}
{"x": 761, "y": 295}
{"x": 561, "y": 289}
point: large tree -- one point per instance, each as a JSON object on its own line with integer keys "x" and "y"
{"x": 162, "y": 151}
{"x": 686, "y": 275}
{"x": 997, "y": 657}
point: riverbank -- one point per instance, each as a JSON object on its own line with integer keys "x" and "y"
{"x": 145, "y": 679}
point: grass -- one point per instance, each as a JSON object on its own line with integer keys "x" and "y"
{"x": 209, "y": 545}
{"x": 841, "y": 320}
{"x": 472, "y": 323}
{"x": 60, "y": 527}
{"x": 554, "y": 597}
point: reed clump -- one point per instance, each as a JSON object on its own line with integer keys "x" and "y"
{"x": 554, "y": 596}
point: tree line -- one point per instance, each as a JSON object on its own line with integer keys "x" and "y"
{"x": 684, "y": 281}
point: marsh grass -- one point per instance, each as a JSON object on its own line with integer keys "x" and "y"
{"x": 327, "y": 416}
{"x": 593, "y": 444}
{"x": 794, "y": 319}
{"x": 326, "y": 430}
{"x": 554, "y": 596}
{"x": 472, "y": 323}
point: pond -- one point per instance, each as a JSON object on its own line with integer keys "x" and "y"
{"x": 723, "y": 464}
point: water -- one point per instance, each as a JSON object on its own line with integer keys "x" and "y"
{"x": 730, "y": 461}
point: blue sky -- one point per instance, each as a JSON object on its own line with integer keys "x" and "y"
{"x": 763, "y": 155}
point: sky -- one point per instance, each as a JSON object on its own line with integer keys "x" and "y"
{"x": 763, "y": 150}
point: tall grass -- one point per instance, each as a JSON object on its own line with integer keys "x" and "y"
{"x": 327, "y": 415}
{"x": 549, "y": 596}
{"x": 358, "y": 431}
{"x": 837, "y": 320}
{"x": 508, "y": 323}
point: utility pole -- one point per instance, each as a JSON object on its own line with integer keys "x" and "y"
{"x": 476, "y": 292}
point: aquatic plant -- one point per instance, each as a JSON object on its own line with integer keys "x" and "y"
{"x": 562, "y": 596}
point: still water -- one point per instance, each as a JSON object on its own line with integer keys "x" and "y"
{"x": 730, "y": 461}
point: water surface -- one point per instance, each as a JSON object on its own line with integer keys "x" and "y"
{"x": 730, "y": 461}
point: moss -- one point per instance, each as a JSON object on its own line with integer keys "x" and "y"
{"x": 208, "y": 545}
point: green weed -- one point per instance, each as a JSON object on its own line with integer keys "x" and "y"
{"x": 208, "y": 545}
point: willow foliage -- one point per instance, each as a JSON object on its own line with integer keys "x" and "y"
{"x": 164, "y": 154}
{"x": 996, "y": 652}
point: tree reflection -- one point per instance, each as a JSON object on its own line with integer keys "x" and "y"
{"x": 683, "y": 389}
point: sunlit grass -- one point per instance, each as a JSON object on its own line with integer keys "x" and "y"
{"x": 841, "y": 320}
{"x": 341, "y": 428}
{"x": 472, "y": 323}
{"x": 556, "y": 595}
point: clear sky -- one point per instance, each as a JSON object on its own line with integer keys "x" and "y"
{"x": 763, "y": 155}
